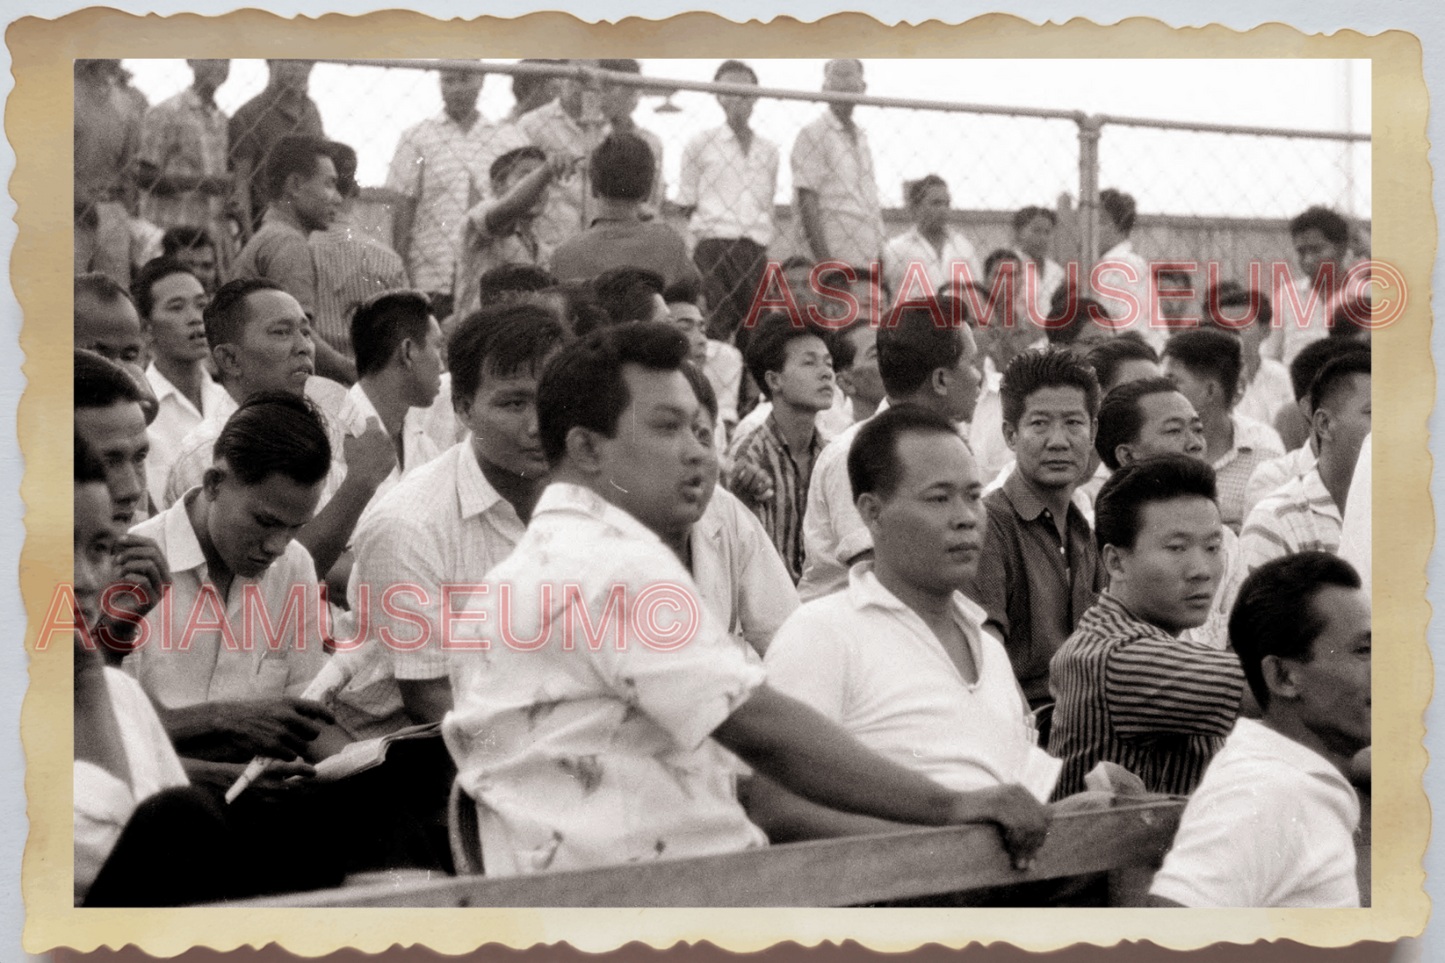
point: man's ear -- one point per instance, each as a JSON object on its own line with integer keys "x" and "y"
{"x": 228, "y": 360}
{"x": 844, "y": 380}
{"x": 869, "y": 506}
{"x": 211, "y": 480}
{"x": 1114, "y": 557}
{"x": 406, "y": 352}
{"x": 1124, "y": 454}
{"x": 584, "y": 449}
{"x": 1010, "y": 434}
{"x": 771, "y": 379}
{"x": 938, "y": 381}
{"x": 1280, "y": 677}
{"x": 1322, "y": 424}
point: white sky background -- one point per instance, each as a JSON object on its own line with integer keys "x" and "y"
{"x": 989, "y": 162}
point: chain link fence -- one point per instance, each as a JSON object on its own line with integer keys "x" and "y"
{"x": 1204, "y": 192}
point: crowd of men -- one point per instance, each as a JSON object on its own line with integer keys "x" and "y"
{"x": 669, "y": 575}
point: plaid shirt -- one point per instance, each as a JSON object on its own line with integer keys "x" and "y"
{"x": 767, "y": 450}
{"x": 1254, "y": 444}
{"x": 1128, "y": 692}
{"x": 1299, "y": 517}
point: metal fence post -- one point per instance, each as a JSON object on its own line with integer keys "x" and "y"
{"x": 1089, "y": 130}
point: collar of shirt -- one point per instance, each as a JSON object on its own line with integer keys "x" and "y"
{"x": 1137, "y": 628}
{"x": 815, "y": 443}
{"x": 281, "y": 218}
{"x": 178, "y": 542}
{"x": 1247, "y": 437}
{"x": 567, "y": 498}
{"x": 850, "y": 132}
{"x": 162, "y": 387}
{"x": 1026, "y": 503}
{"x": 1278, "y": 746}
{"x": 1316, "y": 495}
{"x": 475, "y": 495}
{"x": 865, "y": 591}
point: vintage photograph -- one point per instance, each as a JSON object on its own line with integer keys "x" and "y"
{"x": 870, "y": 482}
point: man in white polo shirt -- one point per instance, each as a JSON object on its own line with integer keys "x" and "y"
{"x": 1272, "y": 823}
{"x": 899, "y": 658}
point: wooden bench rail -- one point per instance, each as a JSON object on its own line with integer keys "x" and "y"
{"x": 833, "y": 872}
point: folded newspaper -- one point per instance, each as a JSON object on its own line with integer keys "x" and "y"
{"x": 369, "y": 753}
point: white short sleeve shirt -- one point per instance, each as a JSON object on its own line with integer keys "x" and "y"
{"x": 1271, "y": 825}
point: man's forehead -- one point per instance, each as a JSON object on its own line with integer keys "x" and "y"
{"x": 109, "y": 314}
{"x": 268, "y": 305}
{"x": 932, "y": 458}
{"x": 652, "y": 389}
{"x": 113, "y": 426}
{"x": 1055, "y": 398}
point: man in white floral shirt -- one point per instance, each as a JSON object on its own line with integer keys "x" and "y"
{"x": 582, "y": 728}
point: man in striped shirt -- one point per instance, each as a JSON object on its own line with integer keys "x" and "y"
{"x": 1305, "y": 515}
{"x": 794, "y": 369}
{"x": 1128, "y": 689}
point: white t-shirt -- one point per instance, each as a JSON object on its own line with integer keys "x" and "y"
{"x": 1271, "y": 825}
{"x": 868, "y": 662}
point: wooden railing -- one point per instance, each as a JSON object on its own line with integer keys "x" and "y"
{"x": 1127, "y": 842}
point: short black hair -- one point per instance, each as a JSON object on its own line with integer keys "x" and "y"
{"x": 1121, "y": 417}
{"x": 295, "y": 154}
{"x": 274, "y": 432}
{"x": 100, "y": 287}
{"x": 502, "y": 340}
{"x": 382, "y": 323}
{"x": 623, "y": 168}
{"x": 1027, "y": 214}
{"x": 1119, "y": 208}
{"x": 584, "y": 386}
{"x": 89, "y": 470}
{"x": 625, "y": 293}
{"x": 1311, "y": 361}
{"x": 873, "y": 464}
{"x": 1107, "y": 357}
{"x": 1334, "y": 227}
{"x": 100, "y": 382}
{"x": 496, "y": 284}
{"x": 185, "y": 237}
{"x": 344, "y": 157}
{"x": 1063, "y": 331}
{"x": 916, "y": 189}
{"x": 701, "y": 387}
{"x": 1274, "y": 613}
{"x": 842, "y": 348}
{"x": 1336, "y": 372}
{"x": 1209, "y": 354}
{"x": 733, "y": 65}
{"x": 154, "y": 271}
{"x": 1343, "y": 323}
{"x": 768, "y": 346}
{"x": 911, "y": 347}
{"x": 523, "y": 85}
{"x": 1033, "y": 371}
{"x": 225, "y": 316}
{"x": 686, "y": 290}
{"x": 501, "y": 168}
{"x": 1238, "y": 298}
{"x": 1119, "y": 509}
{"x": 998, "y": 256}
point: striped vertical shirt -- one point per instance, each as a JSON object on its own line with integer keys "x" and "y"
{"x": 767, "y": 450}
{"x": 1300, "y": 516}
{"x": 1254, "y": 444}
{"x": 1130, "y": 693}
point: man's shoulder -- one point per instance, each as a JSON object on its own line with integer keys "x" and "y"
{"x": 425, "y": 499}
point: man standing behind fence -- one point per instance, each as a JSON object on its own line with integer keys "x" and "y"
{"x": 833, "y": 173}
{"x": 438, "y": 172}
{"x": 729, "y": 180}
{"x": 283, "y": 109}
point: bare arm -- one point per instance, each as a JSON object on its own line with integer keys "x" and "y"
{"x": 332, "y": 364}
{"x": 525, "y": 193}
{"x": 806, "y": 753}
{"x": 403, "y": 218}
{"x": 787, "y": 818}
{"x": 810, "y": 212}
{"x": 238, "y": 731}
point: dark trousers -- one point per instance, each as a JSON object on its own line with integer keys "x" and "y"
{"x": 731, "y": 269}
{"x": 186, "y": 845}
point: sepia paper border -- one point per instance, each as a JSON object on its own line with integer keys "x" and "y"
{"x": 1403, "y": 234}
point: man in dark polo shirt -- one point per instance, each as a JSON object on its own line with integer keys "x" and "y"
{"x": 1040, "y": 569}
